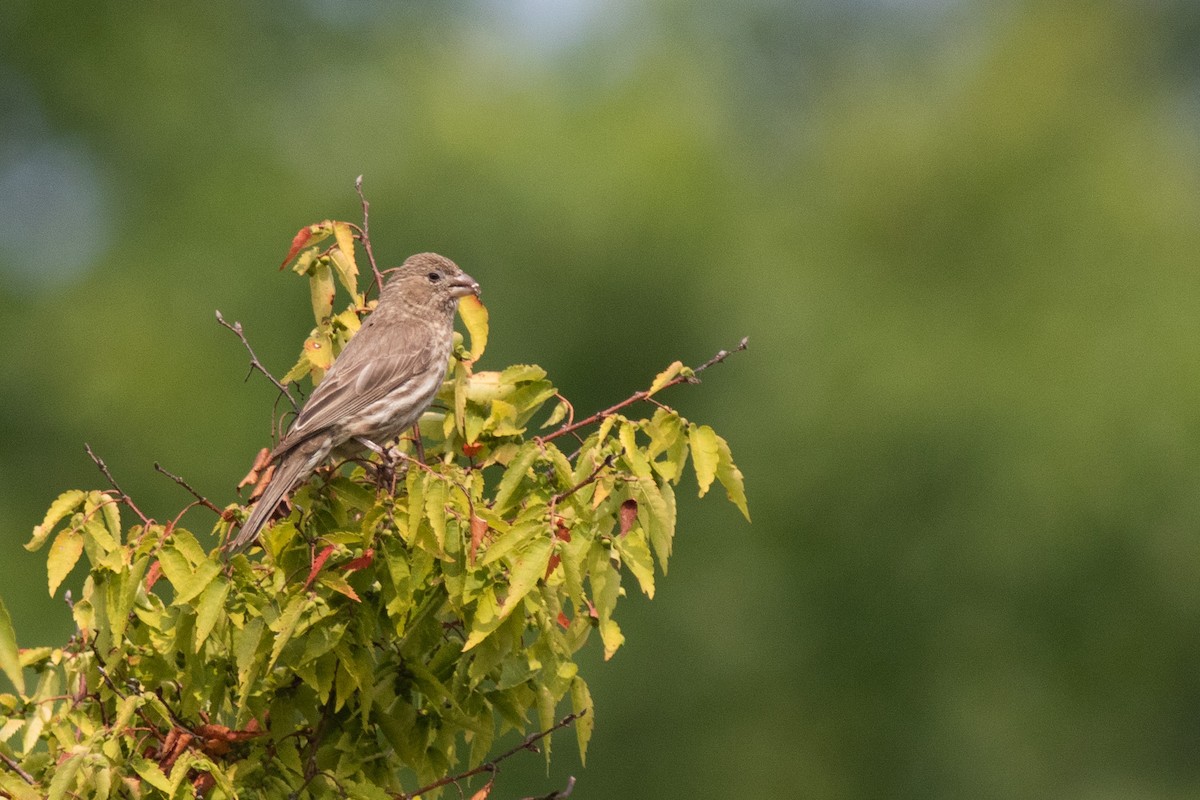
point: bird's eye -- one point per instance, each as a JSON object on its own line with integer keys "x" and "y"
{"x": 434, "y": 277}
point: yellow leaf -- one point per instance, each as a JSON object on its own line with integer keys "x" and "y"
{"x": 731, "y": 478}
{"x": 320, "y": 284}
{"x": 343, "y": 258}
{"x": 666, "y": 376}
{"x": 475, "y": 316}
{"x": 705, "y": 455}
{"x": 64, "y": 553}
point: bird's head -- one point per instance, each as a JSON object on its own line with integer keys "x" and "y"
{"x": 427, "y": 279}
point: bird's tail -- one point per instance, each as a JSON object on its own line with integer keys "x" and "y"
{"x": 294, "y": 467}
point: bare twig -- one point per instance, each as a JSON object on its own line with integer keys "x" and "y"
{"x": 15, "y": 766}
{"x": 493, "y": 766}
{"x": 255, "y": 364}
{"x": 645, "y": 393}
{"x": 123, "y": 498}
{"x": 607, "y": 462}
{"x": 204, "y": 501}
{"x": 365, "y": 232}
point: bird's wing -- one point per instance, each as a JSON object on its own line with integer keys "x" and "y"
{"x": 368, "y": 369}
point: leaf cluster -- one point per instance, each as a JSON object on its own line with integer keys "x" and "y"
{"x": 405, "y": 613}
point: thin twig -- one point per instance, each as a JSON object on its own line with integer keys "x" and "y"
{"x": 16, "y": 767}
{"x": 124, "y": 498}
{"x": 607, "y": 462}
{"x": 255, "y": 364}
{"x": 365, "y": 232}
{"x": 645, "y": 393}
{"x": 204, "y": 501}
{"x": 493, "y": 766}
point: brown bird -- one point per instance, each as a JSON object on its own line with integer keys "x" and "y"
{"x": 380, "y": 384}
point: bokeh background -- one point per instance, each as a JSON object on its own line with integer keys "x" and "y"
{"x": 961, "y": 236}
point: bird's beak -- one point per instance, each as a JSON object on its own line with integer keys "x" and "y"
{"x": 463, "y": 285}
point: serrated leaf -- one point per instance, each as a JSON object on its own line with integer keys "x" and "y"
{"x": 706, "y": 455}
{"x": 188, "y": 583}
{"x": 64, "y": 504}
{"x": 64, "y": 777}
{"x": 436, "y": 493}
{"x": 17, "y": 788}
{"x": 475, "y": 317}
{"x": 322, "y": 289}
{"x": 731, "y": 478}
{"x": 635, "y": 554}
{"x": 526, "y": 568}
{"x": 122, "y": 592}
{"x": 585, "y": 723}
{"x": 485, "y": 620}
{"x": 512, "y": 539}
{"x": 148, "y": 771}
{"x": 343, "y": 257}
{"x": 665, "y": 377}
{"x": 209, "y": 609}
{"x": 10, "y": 654}
{"x": 514, "y": 474}
{"x": 64, "y": 554}
{"x": 285, "y": 626}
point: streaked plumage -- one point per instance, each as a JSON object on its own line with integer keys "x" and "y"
{"x": 380, "y": 384}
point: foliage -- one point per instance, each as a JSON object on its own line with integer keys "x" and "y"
{"x": 406, "y": 613}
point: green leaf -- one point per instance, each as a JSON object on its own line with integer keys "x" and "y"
{"x": 178, "y": 570}
{"x": 731, "y": 478}
{"x": 485, "y": 620}
{"x": 527, "y": 568}
{"x": 209, "y": 609}
{"x": 706, "y": 455}
{"x": 64, "y": 777}
{"x": 63, "y": 505}
{"x": 516, "y": 537}
{"x": 10, "y": 655}
{"x": 436, "y": 492}
{"x": 64, "y": 554}
{"x": 148, "y": 771}
{"x": 581, "y": 704}
{"x": 635, "y": 554}
{"x": 122, "y": 589}
{"x": 285, "y": 626}
{"x": 514, "y": 475}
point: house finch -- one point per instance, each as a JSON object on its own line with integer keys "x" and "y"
{"x": 380, "y": 384}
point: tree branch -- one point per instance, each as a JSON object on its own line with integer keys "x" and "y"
{"x": 645, "y": 393}
{"x": 124, "y": 498}
{"x": 255, "y": 364}
{"x": 493, "y": 766}
{"x": 365, "y": 232}
{"x": 204, "y": 501}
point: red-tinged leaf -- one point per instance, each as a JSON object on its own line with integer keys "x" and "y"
{"x": 551, "y": 564}
{"x": 563, "y": 621}
{"x": 471, "y": 449}
{"x": 317, "y": 563}
{"x": 299, "y": 241}
{"x": 479, "y": 529}
{"x": 362, "y": 562}
{"x": 628, "y": 515}
{"x": 562, "y": 532}
{"x": 153, "y": 574}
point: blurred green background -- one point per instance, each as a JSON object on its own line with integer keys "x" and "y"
{"x": 961, "y": 237}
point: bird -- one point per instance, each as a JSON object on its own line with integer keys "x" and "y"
{"x": 379, "y": 385}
